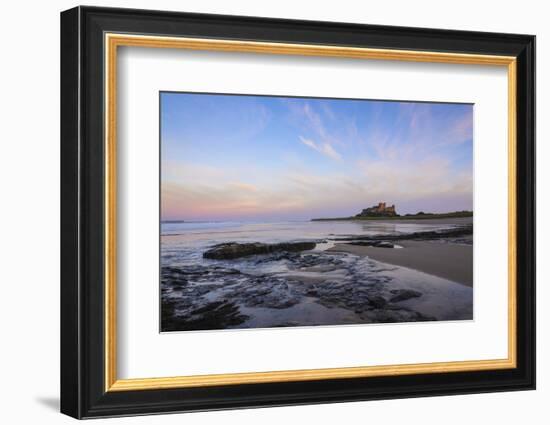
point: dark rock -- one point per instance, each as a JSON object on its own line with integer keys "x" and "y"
{"x": 214, "y": 315}
{"x": 384, "y": 244}
{"x": 376, "y": 244}
{"x": 404, "y": 294}
{"x": 279, "y": 256}
{"x": 455, "y": 232}
{"x": 377, "y": 301}
{"x": 231, "y": 250}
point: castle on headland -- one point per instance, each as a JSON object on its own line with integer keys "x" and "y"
{"x": 379, "y": 210}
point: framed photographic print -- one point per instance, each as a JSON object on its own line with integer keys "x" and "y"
{"x": 261, "y": 212}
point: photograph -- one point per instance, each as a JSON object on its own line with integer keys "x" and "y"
{"x": 280, "y": 211}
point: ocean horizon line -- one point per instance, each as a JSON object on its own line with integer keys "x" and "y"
{"x": 235, "y": 221}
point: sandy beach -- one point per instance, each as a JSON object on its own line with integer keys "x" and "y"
{"x": 446, "y": 260}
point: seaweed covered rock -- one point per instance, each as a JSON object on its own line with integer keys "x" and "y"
{"x": 228, "y": 251}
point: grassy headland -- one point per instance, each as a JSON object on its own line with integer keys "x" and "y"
{"x": 418, "y": 216}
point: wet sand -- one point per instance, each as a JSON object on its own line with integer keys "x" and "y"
{"x": 447, "y": 260}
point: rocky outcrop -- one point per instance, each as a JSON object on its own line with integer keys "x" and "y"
{"x": 376, "y": 244}
{"x": 454, "y": 232}
{"x": 403, "y": 295}
{"x": 231, "y": 250}
{"x": 219, "y": 296}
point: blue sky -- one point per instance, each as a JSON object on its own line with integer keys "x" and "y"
{"x": 234, "y": 157}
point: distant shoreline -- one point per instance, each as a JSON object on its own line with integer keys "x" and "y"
{"x": 427, "y": 216}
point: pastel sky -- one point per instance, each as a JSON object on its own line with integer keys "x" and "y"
{"x": 233, "y": 157}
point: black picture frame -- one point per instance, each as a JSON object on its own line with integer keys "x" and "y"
{"x": 83, "y": 392}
